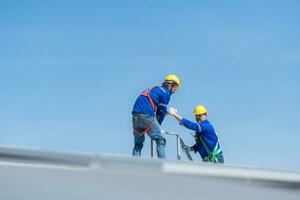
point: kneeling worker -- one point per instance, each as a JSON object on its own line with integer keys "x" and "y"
{"x": 207, "y": 142}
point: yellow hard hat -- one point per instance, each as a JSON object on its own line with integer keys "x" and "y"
{"x": 172, "y": 77}
{"x": 200, "y": 110}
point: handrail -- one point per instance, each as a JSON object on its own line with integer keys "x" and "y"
{"x": 178, "y": 148}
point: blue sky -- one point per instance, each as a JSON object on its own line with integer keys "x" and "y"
{"x": 70, "y": 72}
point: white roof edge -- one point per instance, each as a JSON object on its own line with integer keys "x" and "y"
{"x": 39, "y": 156}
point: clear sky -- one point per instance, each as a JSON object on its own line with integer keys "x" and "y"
{"x": 70, "y": 72}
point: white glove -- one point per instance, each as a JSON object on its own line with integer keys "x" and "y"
{"x": 172, "y": 111}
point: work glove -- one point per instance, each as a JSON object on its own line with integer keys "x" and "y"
{"x": 194, "y": 148}
{"x": 190, "y": 148}
{"x": 172, "y": 111}
{"x": 186, "y": 148}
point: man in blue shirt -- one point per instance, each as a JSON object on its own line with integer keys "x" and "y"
{"x": 207, "y": 142}
{"x": 149, "y": 112}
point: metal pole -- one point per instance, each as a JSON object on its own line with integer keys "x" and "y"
{"x": 152, "y": 148}
{"x": 178, "y": 147}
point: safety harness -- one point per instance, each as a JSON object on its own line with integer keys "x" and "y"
{"x": 146, "y": 94}
{"x": 212, "y": 156}
{"x": 142, "y": 132}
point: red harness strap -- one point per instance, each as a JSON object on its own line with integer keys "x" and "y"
{"x": 142, "y": 133}
{"x": 146, "y": 94}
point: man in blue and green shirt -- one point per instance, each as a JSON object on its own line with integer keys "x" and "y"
{"x": 207, "y": 142}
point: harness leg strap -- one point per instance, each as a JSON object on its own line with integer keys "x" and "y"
{"x": 143, "y": 132}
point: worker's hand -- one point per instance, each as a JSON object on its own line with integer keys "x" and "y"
{"x": 186, "y": 148}
{"x": 192, "y": 149}
{"x": 172, "y": 111}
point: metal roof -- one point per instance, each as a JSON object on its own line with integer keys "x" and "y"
{"x": 33, "y": 173}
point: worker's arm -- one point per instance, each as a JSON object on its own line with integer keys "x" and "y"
{"x": 184, "y": 122}
{"x": 173, "y": 112}
{"x": 190, "y": 125}
{"x": 162, "y": 108}
{"x": 160, "y": 114}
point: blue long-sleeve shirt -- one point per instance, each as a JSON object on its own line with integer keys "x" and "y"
{"x": 161, "y": 98}
{"x": 207, "y": 132}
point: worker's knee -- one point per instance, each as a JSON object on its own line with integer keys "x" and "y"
{"x": 161, "y": 141}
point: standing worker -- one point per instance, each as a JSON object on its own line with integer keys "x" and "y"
{"x": 149, "y": 112}
{"x": 207, "y": 142}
